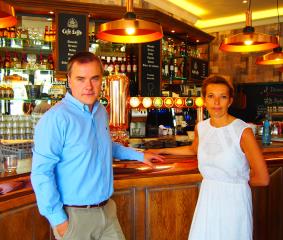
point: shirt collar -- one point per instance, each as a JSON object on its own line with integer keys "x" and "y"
{"x": 83, "y": 107}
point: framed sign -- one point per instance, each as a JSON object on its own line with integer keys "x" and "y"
{"x": 71, "y": 37}
{"x": 198, "y": 69}
{"x": 150, "y": 69}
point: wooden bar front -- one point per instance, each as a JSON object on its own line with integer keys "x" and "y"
{"x": 151, "y": 204}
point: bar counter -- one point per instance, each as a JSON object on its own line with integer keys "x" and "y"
{"x": 151, "y": 203}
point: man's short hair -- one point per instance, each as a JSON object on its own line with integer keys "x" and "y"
{"x": 83, "y": 57}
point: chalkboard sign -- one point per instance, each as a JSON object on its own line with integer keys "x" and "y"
{"x": 150, "y": 69}
{"x": 259, "y": 97}
{"x": 198, "y": 69}
{"x": 71, "y": 37}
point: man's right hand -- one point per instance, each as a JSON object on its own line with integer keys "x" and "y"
{"x": 62, "y": 228}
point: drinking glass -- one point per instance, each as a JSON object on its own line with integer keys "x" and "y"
{"x": 10, "y": 163}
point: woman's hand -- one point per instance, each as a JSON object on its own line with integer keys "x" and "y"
{"x": 150, "y": 157}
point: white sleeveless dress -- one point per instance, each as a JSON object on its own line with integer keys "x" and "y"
{"x": 224, "y": 207}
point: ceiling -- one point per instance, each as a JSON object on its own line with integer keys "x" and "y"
{"x": 217, "y": 15}
{"x": 209, "y": 15}
{"x": 186, "y": 16}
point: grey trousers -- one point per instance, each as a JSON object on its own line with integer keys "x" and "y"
{"x": 99, "y": 223}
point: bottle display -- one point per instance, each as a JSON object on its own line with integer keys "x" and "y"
{"x": 26, "y": 66}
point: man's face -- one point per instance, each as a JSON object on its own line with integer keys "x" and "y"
{"x": 85, "y": 82}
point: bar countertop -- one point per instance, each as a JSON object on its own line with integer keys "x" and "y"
{"x": 172, "y": 165}
{"x": 136, "y": 171}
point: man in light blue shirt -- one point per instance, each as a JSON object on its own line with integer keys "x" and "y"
{"x": 72, "y": 173}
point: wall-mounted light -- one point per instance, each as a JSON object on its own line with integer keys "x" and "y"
{"x": 134, "y": 102}
{"x": 199, "y": 102}
{"x": 157, "y": 102}
{"x": 179, "y": 102}
{"x": 147, "y": 102}
{"x": 7, "y": 15}
{"x": 130, "y": 29}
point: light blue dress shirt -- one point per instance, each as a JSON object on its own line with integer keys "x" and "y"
{"x": 72, "y": 158}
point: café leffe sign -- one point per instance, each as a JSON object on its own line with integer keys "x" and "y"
{"x": 71, "y": 37}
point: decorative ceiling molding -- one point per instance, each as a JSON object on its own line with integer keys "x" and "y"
{"x": 174, "y": 11}
{"x": 241, "y": 25}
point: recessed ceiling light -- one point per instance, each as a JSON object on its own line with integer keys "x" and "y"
{"x": 245, "y": 1}
{"x": 51, "y": 12}
{"x": 172, "y": 31}
{"x": 197, "y": 40}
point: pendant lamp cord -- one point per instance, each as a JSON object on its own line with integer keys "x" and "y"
{"x": 278, "y": 21}
{"x": 250, "y": 2}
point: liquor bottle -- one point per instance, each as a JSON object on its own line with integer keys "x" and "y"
{"x": 116, "y": 66}
{"x": 104, "y": 63}
{"x": 266, "y": 133}
{"x": 1, "y": 62}
{"x": 24, "y": 63}
{"x": 110, "y": 65}
{"x": 135, "y": 77}
{"x": 7, "y": 61}
{"x": 12, "y": 32}
{"x": 46, "y": 34}
{"x": 42, "y": 62}
{"x": 16, "y": 63}
{"x": 166, "y": 68}
{"x": 7, "y": 107}
{"x": 50, "y": 62}
{"x": 92, "y": 36}
{"x": 171, "y": 71}
{"x": 123, "y": 66}
{"x": 106, "y": 66}
{"x": 52, "y": 34}
{"x": 128, "y": 67}
{"x": 176, "y": 69}
{"x": 182, "y": 69}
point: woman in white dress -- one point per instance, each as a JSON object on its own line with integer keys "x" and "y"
{"x": 230, "y": 160}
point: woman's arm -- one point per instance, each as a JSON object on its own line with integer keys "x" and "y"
{"x": 183, "y": 150}
{"x": 259, "y": 174}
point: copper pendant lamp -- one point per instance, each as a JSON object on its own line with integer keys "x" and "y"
{"x": 249, "y": 40}
{"x": 274, "y": 57}
{"x": 7, "y": 15}
{"x": 130, "y": 29}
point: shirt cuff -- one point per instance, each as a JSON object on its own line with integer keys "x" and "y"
{"x": 138, "y": 156}
{"x": 57, "y": 218}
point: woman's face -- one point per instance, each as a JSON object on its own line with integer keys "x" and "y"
{"x": 217, "y": 100}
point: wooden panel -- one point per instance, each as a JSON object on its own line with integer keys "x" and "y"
{"x": 169, "y": 212}
{"x": 41, "y": 227}
{"x": 268, "y": 208}
{"x": 125, "y": 201}
{"x": 23, "y": 223}
{"x": 275, "y": 205}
